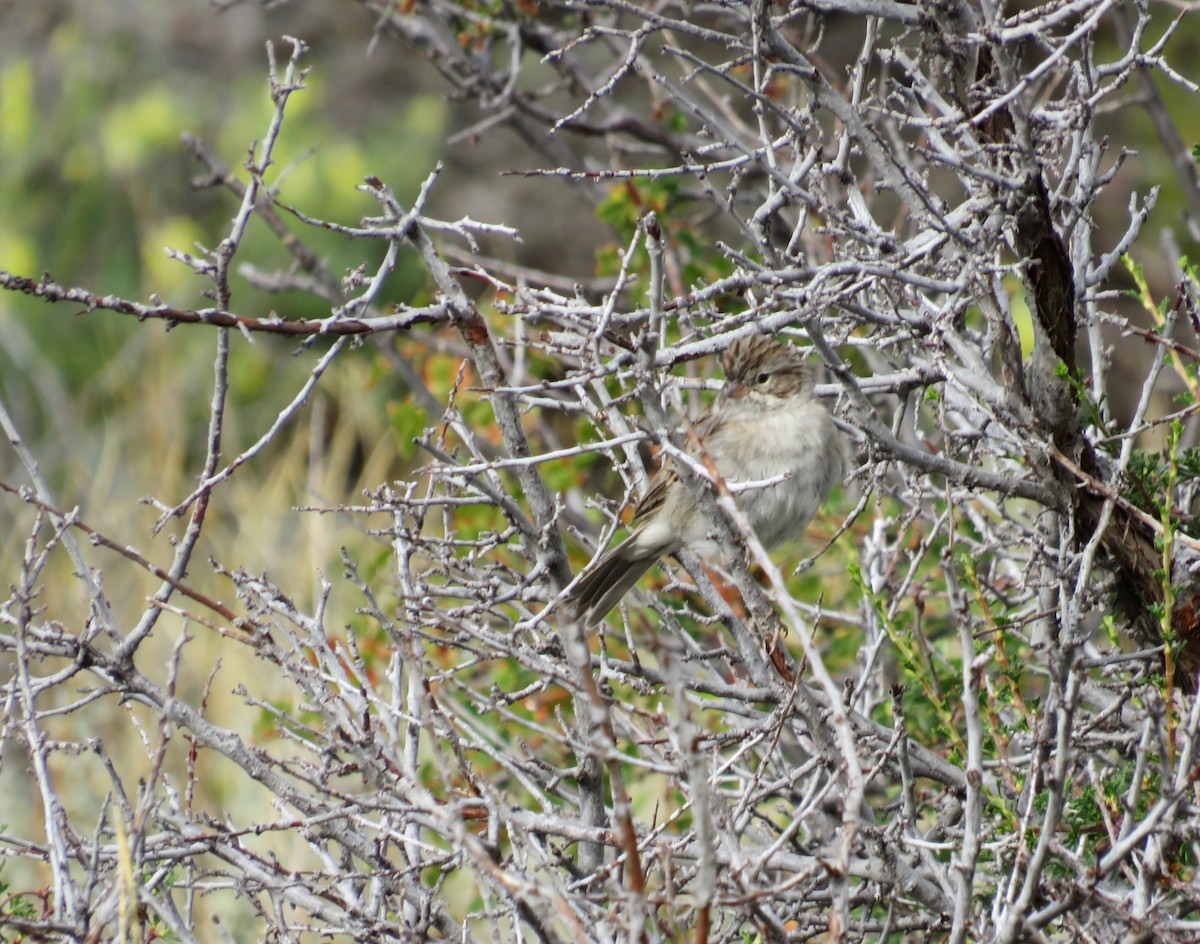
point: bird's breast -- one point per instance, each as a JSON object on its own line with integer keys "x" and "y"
{"x": 799, "y": 441}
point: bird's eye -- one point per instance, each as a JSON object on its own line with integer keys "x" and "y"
{"x": 762, "y": 378}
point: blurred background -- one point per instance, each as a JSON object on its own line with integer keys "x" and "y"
{"x": 95, "y": 182}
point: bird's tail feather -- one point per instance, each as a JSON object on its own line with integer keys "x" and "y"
{"x": 600, "y": 590}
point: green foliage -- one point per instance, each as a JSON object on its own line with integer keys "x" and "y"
{"x": 1152, "y": 478}
{"x": 15, "y": 904}
{"x": 408, "y": 422}
{"x": 1091, "y": 410}
{"x": 628, "y": 202}
{"x": 1141, "y": 290}
{"x": 1187, "y": 373}
{"x": 931, "y": 682}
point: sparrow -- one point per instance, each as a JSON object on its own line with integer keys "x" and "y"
{"x": 765, "y": 422}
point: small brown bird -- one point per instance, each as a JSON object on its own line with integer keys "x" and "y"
{"x": 765, "y": 422}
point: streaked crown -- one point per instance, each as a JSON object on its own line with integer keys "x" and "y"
{"x": 760, "y": 361}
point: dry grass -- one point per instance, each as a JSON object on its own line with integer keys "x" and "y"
{"x": 138, "y": 430}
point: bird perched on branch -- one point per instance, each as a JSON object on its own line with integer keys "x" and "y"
{"x": 765, "y": 423}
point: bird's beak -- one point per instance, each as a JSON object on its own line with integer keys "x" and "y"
{"x": 737, "y": 391}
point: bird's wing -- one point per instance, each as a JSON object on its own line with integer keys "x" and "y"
{"x": 665, "y": 477}
{"x": 655, "y": 496}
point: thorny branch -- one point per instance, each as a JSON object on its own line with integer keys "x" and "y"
{"x": 973, "y": 717}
